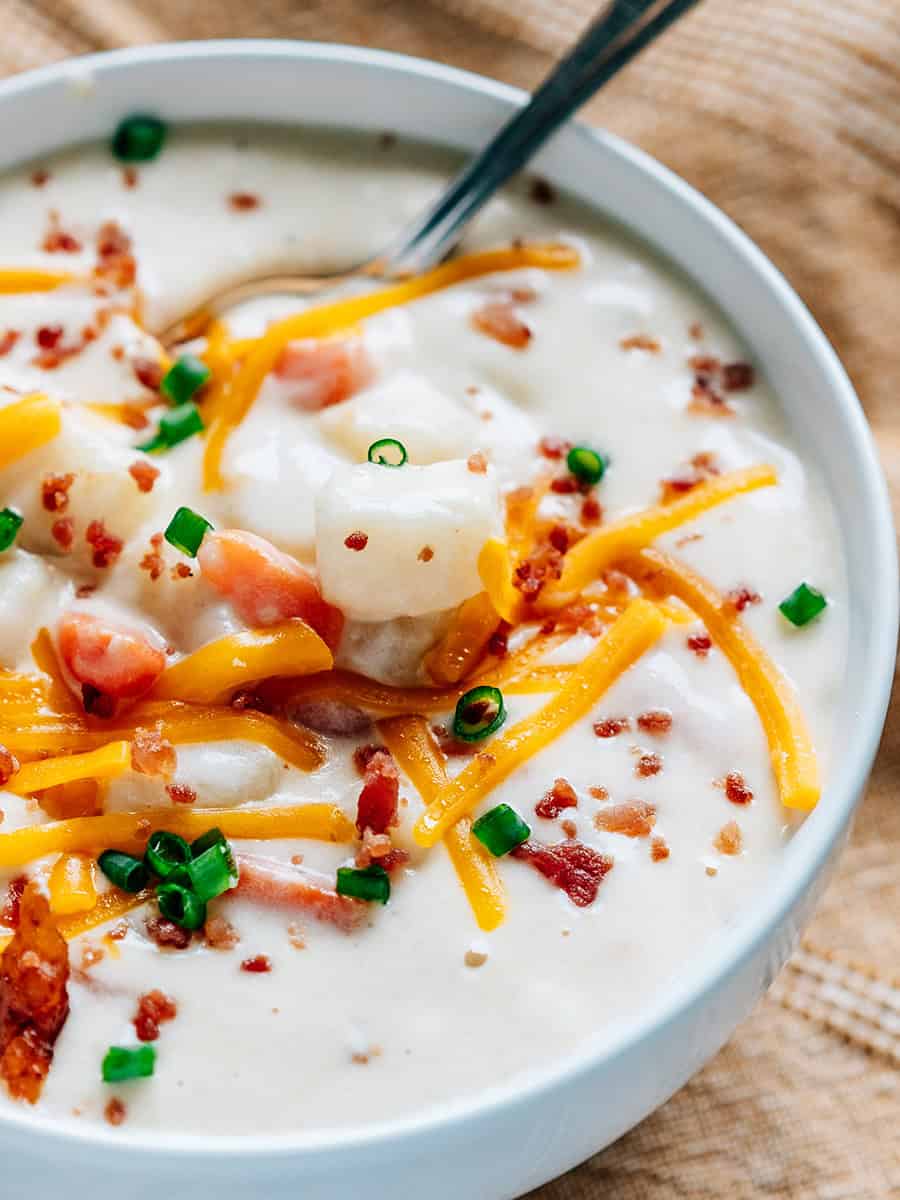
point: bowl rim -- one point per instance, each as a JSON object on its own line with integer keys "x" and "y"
{"x": 848, "y": 778}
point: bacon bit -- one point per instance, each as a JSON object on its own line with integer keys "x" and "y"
{"x": 91, "y": 955}
{"x": 641, "y": 341}
{"x": 115, "y": 262}
{"x": 9, "y": 764}
{"x": 542, "y": 565}
{"x": 561, "y": 795}
{"x": 260, "y": 964}
{"x": 740, "y": 598}
{"x": 634, "y": 819}
{"x": 8, "y": 341}
{"x": 659, "y": 849}
{"x": 565, "y": 485}
{"x": 115, "y": 1111}
{"x": 599, "y": 793}
{"x": 40, "y": 177}
{"x": 738, "y": 377}
{"x": 295, "y": 936}
{"x": 148, "y": 372}
{"x": 363, "y": 755}
{"x": 554, "y": 448}
{"x": 477, "y": 463}
{"x": 657, "y": 721}
{"x": 711, "y": 870}
{"x": 11, "y": 906}
{"x": 611, "y": 727}
{"x": 375, "y": 846}
{"x": 426, "y": 554}
{"x": 706, "y": 401}
{"x": 166, "y": 934}
{"x": 96, "y": 703}
{"x": 153, "y": 561}
{"x": 695, "y": 331}
{"x": 498, "y": 319}
{"x": 575, "y": 868}
{"x": 476, "y": 956}
{"x": 648, "y": 765}
{"x": 729, "y": 839}
{"x": 144, "y": 475}
{"x": 243, "y": 201}
{"x": 450, "y": 746}
{"x": 591, "y": 510}
{"x": 130, "y": 177}
{"x": 736, "y": 789}
{"x": 558, "y": 537}
{"x": 118, "y": 932}
{"x": 702, "y": 466}
{"x": 377, "y": 805}
{"x": 181, "y": 571}
{"x": 569, "y": 828}
{"x": 58, "y": 240}
{"x": 154, "y": 1009}
{"x": 55, "y": 492}
{"x": 393, "y": 859}
{"x": 34, "y": 997}
{"x": 542, "y": 191}
{"x": 152, "y": 754}
{"x": 48, "y": 337}
{"x": 498, "y": 642}
{"x": 180, "y": 793}
{"x": 700, "y": 644}
{"x": 705, "y": 364}
{"x": 106, "y": 546}
{"x": 220, "y": 934}
{"x": 269, "y": 882}
{"x": 356, "y": 540}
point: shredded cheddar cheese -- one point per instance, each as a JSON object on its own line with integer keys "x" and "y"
{"x": 71, "y": 885}
{"x": 18, "y": 280}
{"x": 495, "y": 568}
{"x": 464, "y": 643}
{"x": 27, "y": 424}
{"x": 104, "y": 763}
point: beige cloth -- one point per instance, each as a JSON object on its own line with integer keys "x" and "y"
{"x": 787, "y": 114}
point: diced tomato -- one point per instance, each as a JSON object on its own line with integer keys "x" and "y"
{"x": 377, "y": 805}
{"x": 265, "y": 585}
{"x": 120, "y": 661}
{"x": 281, "y": 886}
{"x": 324, "y": 373}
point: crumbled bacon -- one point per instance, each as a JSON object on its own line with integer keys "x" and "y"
{"x": 393, "y": 859}
{"x": 181, "y": 571}
{"x": 106, "y": 546}
{"x": 659, "y": 849}
{"x": 647, "y": 765}
{"x": 498, "y": 642}
{"x": 540, "y": 567}
{"x": 701, "y": 467}
{"x": 153, "y": 561}
{"x": 11, "y": 905}
{"x": 377, "y": 805}
{"x": 499, "y": 320}
{"x": 267, "y": 881}
{"x": 611, "y": 727}
{"x": 554, "y": 448}
{"x": 700, "y": 644}
{"x": 736, "y": 789}
{"x": 58, "y": 240}
{"x": 220, "y": 934}
{"x": 144, "y": 475}
{"x": 706, "y": 399}
{"x": 740, "y": 598}
{"x": 559, "y": 538}
{"x": 729, "y": 839}
{"x": 130, "y": 177}
{"x": 116, "y": 264}
{"x": 576, "y": 869}
{"x": 48, "y": 337}
{"x": 40, "y": 177}
{"x": 166, "y": 934}
{"x": 695, "y": 331}
{"x": 154, "y": 1009}
{"x": 738, "y": 376}
{"x": 152, "y": 754}
{"x": 180, "y": 793}
{"x": 148, "y": 372}
{"x": 634, "y": 818}
{"x": 452, "y": 747}
{"x": 591, "y": 510}
{"x": 96, "y": 703}
{"x": 542, "y": 191}
{"x": 561, "y": 795}
{"x": 657, "y": 721}
{"x": 55, "y": 491}
{"x": 115, "y": 1111}
{"x": 8, "y": 341}
{"x": 477, "y": 463}
{"x": 599, "y": 793}
{"x": 243, "y": 201}
{"x": 363, "y": 755}
{"x": 641, "y": 341}
{"x": 34, "y": 997}
{"x": 356, "y": 540}
{"x": 565, "y": 485}
{"x": 9, "y": 764}
{"x": 259, "y": 964}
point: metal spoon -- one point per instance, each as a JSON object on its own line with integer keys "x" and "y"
{"x": 614, "y": 37}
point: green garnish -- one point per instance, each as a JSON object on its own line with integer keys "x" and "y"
{"x": 803, "y": 604}
{"x": 10, "y": 524}
{"x": 166, "y": 853}
{"x": 174, "y": 427}
{"x": 387, "y": 452}
{"x": 186, "y": 376}
{"x": 125, "y": 1062}
{"x": 212, "y": 837}
{"x": 501, "y": 830}
{"x": 186, "y": 531}
{"x": 211, "y": 873}
{"x": 585, "y": 464}
{"x": 125, "y": 871}
{"x": 180, "y": 905}
{"x": 479, "y": 713}
{"x": 139, "y": 138}
{"x": 370, "y": 883}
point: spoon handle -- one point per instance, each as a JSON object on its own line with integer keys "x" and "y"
{"x": 611, "y": 40}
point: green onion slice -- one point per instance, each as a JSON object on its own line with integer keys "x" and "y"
{"x": 388, "y": 452}
{"x": 212, "y": 837}
{"x": 125, "y": 871}
{"x": 186, "y": 531}
{"x": 371, "y": 883}
{"x": 175, "y": 426}
{"x": 479, "y": 713}
{"x": 127, "y": 1062}
{"x": 501, "y": 830}
{"x": 585, "y": 464}
{"x": 139, "y": 138}
{"x": 166, "y": 853}
{"x": 186, "y": 376}
{"x": 803, "y": 604}
{"x": 180, "y": 905}
{"x": 10, "y": 524}
{"x": 211, "y": 873}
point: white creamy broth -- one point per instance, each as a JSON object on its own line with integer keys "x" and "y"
{"x": 347, "y": 1028}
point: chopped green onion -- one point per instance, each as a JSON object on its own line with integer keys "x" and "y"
{"x": 585, "y": 464}
{"x": 180, "y": 905}
{"x": 186, "y": 531}
{"x": 10, "y": 524}
{"x": 174, "y": 427}
{"x": 370, "y": 883}
{"x": 139, "y": 138}
{"x": 186, "y": 376}
{"x": 387, "y": 452}
{"x": 212, "y": 837}
{"x": 166, "y": 852}
{"x": 126, "y": 1062}
{"x": 803, "y": 604}
{"x": 501, "y": 830}
{"x": 210, "y": 873}
{"x": 479, "y": 713}
{"x": 125, "y": 871}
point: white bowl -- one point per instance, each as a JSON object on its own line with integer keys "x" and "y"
{"x": 511, "y": 1140}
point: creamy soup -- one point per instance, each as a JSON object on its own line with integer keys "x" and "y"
{"x": 440, "y": 635}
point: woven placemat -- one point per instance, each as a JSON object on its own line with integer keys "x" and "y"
{"x": 786, "y": 113}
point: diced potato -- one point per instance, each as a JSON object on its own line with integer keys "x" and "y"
{"x": 401, "y": 542}
{"x": 29, "y": 591}
{"x": 221, "y": 774}
{"x": 431, "y": 426}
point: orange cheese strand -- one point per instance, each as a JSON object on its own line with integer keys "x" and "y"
{"x": 71, "y": 885}
{"x": 44, "y": 655}
{"x": 110, "y": 906}
{"x": 790, "y": 745}
{"x": 326, "y": 319}
{"x": 639, "y": 626}
{"x": 16, "y": 280}
{"x": 27, "y": 424}
{"x": 465, "y": 642}
{"x": 104, "y": 763}
{"x": 410, "y": 741}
